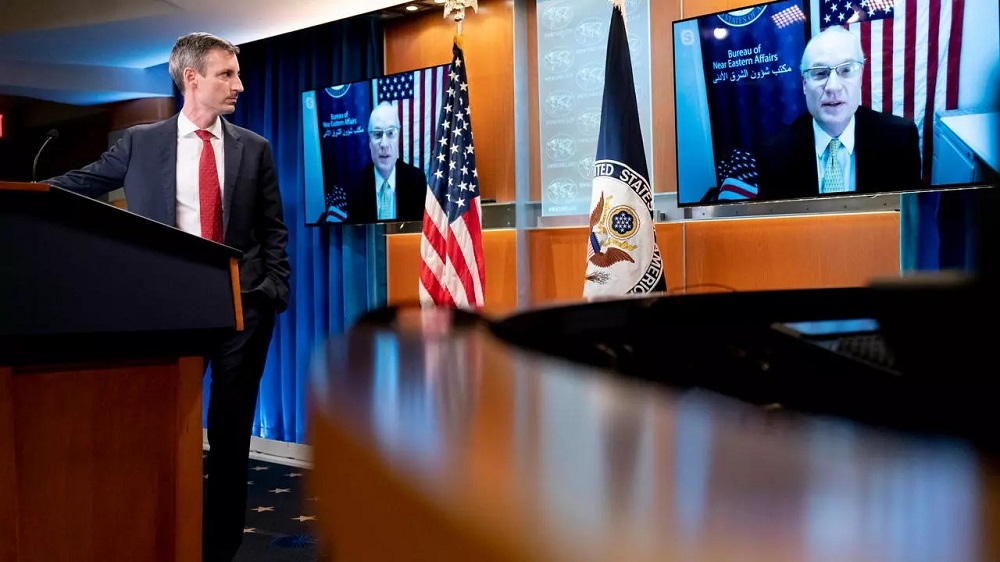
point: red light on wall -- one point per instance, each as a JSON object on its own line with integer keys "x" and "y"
{"x": 1, "y": 125}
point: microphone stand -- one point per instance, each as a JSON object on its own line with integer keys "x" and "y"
{"x": 52, "y": 134}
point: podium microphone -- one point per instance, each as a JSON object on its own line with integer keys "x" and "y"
{"x": 51, "y": 135}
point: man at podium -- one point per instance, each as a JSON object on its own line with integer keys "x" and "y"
{"x": 201, "y": 174}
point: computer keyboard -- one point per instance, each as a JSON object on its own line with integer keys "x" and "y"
{"x": 870, "y": 348}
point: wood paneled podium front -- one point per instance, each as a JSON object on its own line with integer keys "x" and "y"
{"x": 104, "y": 320}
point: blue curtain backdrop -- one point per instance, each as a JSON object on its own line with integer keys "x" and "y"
{"x": 338, "y": 272}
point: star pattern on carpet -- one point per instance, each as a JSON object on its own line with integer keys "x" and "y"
{"x": 280, "y": 514}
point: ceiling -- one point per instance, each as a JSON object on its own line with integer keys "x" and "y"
{"x": 96, "y": 51}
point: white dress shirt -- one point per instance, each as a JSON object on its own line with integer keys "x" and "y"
{"x": 845, "y": 157}
{"x": 188, "y": 160}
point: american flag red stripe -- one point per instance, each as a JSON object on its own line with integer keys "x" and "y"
{"x": 463, "y": 263}
{"x": 446, "y": 276}
{"x": 934, "y": 22}
{"x": 452, "y": 269}
{"x": 913, "y": 53}
{"x": 434, "y": 246}
{"x": 955, "y": 51}
{"x": 909, "y": 68}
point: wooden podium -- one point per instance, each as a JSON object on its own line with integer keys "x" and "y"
{"x": 104, "y": 319}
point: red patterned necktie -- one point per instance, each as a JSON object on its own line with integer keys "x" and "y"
{"x": 209, "y": 192}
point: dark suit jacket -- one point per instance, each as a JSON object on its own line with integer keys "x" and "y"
{"x": 411, "y": 191}
{"x": 886, "y": 156}
{"x": 144, "y": 162}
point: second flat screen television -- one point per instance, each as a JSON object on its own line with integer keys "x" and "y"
{"x": 901, "y": 93}
{"x": 367, "y": 147}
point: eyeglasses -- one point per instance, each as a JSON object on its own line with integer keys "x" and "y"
{"x": 845, "y": 71}
{"x": 390, "y": 133}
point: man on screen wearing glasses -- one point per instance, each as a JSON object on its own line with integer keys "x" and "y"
{"x": 390, "y": 189}
{"x": 838, "y": 147}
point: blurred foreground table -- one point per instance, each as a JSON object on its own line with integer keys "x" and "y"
{"x": 439, "y": 442}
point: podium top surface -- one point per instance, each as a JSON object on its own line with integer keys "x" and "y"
{"x": 78, "y": 274}
{"x": 24, "y": 186}
{"x": 107, "y": 216}
{"x": 507, "y": 454}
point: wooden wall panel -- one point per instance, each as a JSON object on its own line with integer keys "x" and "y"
{"x": 558, "y": 261}
{"x": 662, "y": 14}
{"x": 793, "y": 252}
{"x": 402, "y": 256}
{"x": 137, "y": 112}
{"x": 693, "y": 8}
{"x": 499, "y": 252}
{"x": 557, "y": 264}
{"x": 425, "y": 40}
{"x": 670, "y": 238}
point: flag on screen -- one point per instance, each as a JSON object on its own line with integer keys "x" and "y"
{"x": 415, "y": 95}
{"x": 788, "y": 16}
{"x": 913, "y": 49}
{"x": 336, "y": 202}
{"x": 740, "y": 173}
{"x": 452, "y": 272}
{"x": 622, "y": 255}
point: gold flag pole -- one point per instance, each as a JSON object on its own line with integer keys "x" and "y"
{"x": 459, "y": 6}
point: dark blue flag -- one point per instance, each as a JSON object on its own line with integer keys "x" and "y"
{"x": 622, "y": 254}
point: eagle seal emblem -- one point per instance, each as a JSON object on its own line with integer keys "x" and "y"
{"x": 622, "y": 255}
{"x": 609, "y": 234}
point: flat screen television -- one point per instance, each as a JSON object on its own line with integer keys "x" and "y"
{"x": 801, "y": 99}
{"x": 367, "y": 147}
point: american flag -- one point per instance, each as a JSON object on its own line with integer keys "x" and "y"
{"x": 417, "y": 98}
{"x": 788, "y": 16}
{"x": 336, "y": 202}
{"x": 452, "y": 272}
{"x": 740, "y": 176}
{"x": 913, "y": 50}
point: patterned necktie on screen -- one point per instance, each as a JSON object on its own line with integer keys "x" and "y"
{"x": 833, "y": 177}
{"x": 384, "y": 212}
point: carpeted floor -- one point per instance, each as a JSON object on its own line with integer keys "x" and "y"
{"x": 279, "y": 516}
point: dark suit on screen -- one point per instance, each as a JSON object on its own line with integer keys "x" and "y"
{"x": 411, "y": 191}
{"x": 144, "y": 162}
{"x": 886, "y": 156}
